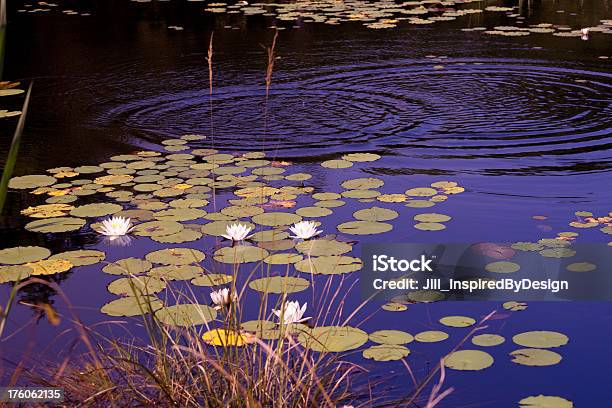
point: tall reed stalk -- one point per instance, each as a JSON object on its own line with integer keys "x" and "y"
{"x": 14, "y": 150}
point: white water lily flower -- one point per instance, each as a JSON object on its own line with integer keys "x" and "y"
{"x": 222, "y": 298}
{"x": 291, "y": 312}
{"x": 305, "y": 229}
{"x": 237, "y": 232}
{"x": 115, "y": 227}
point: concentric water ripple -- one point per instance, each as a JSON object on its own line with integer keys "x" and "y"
{"x": 467, "y": 115}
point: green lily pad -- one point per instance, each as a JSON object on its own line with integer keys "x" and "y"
{"x": 132, "y": 306}
{"x": 545, "y": 401}
{"x": 425, "y": 296}
{"x": 31, "y": 181}
{"x": 242, "y": 211}
{"x": 364, "y": 183}
{"x": 186, "y": 235}
{"x": 581, "y": 267}
{"x": 329, "y": 265}
{"x": 421, "y": 192}
{"x": 179, "y": 214}
{"x": 218, "y": 228}
{"x": 173, "y": 272}
{"x": 558, "y": 253}
{"x": 375, "y": 214}
{"x": 81, "y": 257}
{"x": 535, "y": 357}
{"x": 394, "y": 307}
{"x": 175, "y": 256}
{"x": 468, "y": 360}
{"x": 540, "y": 339}
{"x": 279, "y": 284}
{"x": 502, "y": 267}
{"x": 298, "y": 177}
{"x": 136, "y": 286}
{"x": 313, "y": 212}
{"x": 364, "y": 227}
{"x": 330, "y": 203}
{"x": 240, "y": 254}
{"x": 430, "y": 226}
{"x": 96, "y": 210}
{"x": 361, "y": 194}
{"x": 386, "y": 352}
{"x": 361, "y": 157}
{"x": 527, "y": 246}
{"x": 188, "y": 203}
{"x": 212, "y": 279}
{"x": 333, "y": 338}
{"x": 157, "y": 228}
{"x": 127, "y": 266}
{"x": 326, "y": 196}
{"x": 269, "y": 235}
{"x": 420, "y": 204}
{"x": 323, "y": 247}
{"x": 515, "y": 306}
{"x": 186, "y": 315}
{"x": 457, "y": 321}
{"x": 391, "y": 337}
{"x": 274, "y": 219}
{"x": 336, "y": 164}
{"x": 21, "y": 255}
{"x": 283, "y": 258}
{"x": 14, "y": 273}
{"x": 57, "y": 224}
{"x": 488, "y": 340}
{"x": 431, "y": 336}
{"x": 431, "y": 217}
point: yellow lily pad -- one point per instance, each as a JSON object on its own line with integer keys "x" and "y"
{"x": 386, "y": 352}
{"x": 81, "y": 257}
{"x": 545, "y": 401}
{"x": 225, "y": 338}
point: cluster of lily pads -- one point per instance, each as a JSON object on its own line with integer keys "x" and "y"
{"x": 605, "y": 27}
{"x": 8, "y": 88}
{"x": 45, "y": 7}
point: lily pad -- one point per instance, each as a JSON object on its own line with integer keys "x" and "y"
{"x": 326, "y": 196}
{"x": 136, "y": 286}
{"x": 430, "y": 226}
{"x": 545, "y": 401}
{"x": 364, "y": 227}
{"x": 31, "y": 181}
{"x": 535, "y": 357}
{"x": 175, "y": 256}
{"x": 132, "y": 306}
{"x": 269, "y": 235}
{"x": 323, "y": 247}
{"x": 96, "y": 210}
{"x": 283, "y": 258}
{"x": 330, "y": 203}
{"x": 468, "y": 360}
{"x": 540, "y": 339}
{"x": 329, "y": 265}
{"x": 581, "y": 267}
{"x": 420, "y": 204}
{"x": 394, "y": 307}
{"x": 313, "y": 212}
{"x": 431, "y": 336}
{"x": 14, "y": 273}
{"x": 391, "y": 337}
{"x": 186, "y": 315}
{"x": 274, "y": 219}
{"x": 186, "y": 235}
{"x": 179, "y": 214}
{"x": 421, "y": 192}
{"x": 21, "y": 255}
{"x": 386, "y": 352}
{"x": 279, "y": 284}
{"x": 336, "y": 164}
{"x": 333, "y": 338}
{"x": 57, "y": 224}
{"x": 212, "y": 279}
{"x": 225, "y": 338}
{"x": 360, "y": 194}
{"x": 127, "y": 266}
{"x": 81, "y": 257}
{"x": 502, "y": 267}
{"x": 361, "y": 157}
{"x": 457, "y": 321}
{"x": 515, "y": 306}
{"x": 240, "y": 254}
{"x": 431, "y": 217}
{"x": 375, "y": 214}
{"x": 157, "y": 228}
{"x": 363, "y": 183}
{"x": 488, "y": 340}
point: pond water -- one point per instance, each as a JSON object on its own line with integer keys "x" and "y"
{"x": 521, "y": 122}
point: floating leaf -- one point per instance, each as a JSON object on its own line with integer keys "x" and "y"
{"x": 333, "y": 338}
{"x": 127, "y": 266}
{"x": 57, "y": 224}
{"x": 391, "y": 337}
{"x": 392, "y": 198}
{"x": 581, "y": 267}
{"x": 225, "y": 338}
{"x": 330, "y": 203}
{"x": 425, "y": 296}
{"x": 421, "y": 192}
{"x": 186, "y": 235}
{"x": 113, "y": 179}
{"x": 329, "y": 265}
{"x": 31, "y": 181}
{"x": 429, "y": 226}
{"x": 313, "y": 212}
{"x": 558, "y": 253}
{"x": 218, "y": 228}
{"x": 274, "y": 219}
{"x": 502, "y": 267}
{"x": 140, "y": 285}
{"x": 173, "y": 272}
{"x": 132, "y": 306}
{"x": 186, "y": 315}
{"x": 545, "y": 401}
{"x": 420, "y": 204}
{"x": 515, "y": 306}
{"x": 179, "y": 214}
{"x": 21, "y": 255}
{"x": 242, "y": 211}
{"x": 326, "y": 196}
{"x": 457, "y": 321}
{"x": 175, "y": 256}
{"x": 386, "y": 352}
{"x": 394, "y": 307}
{"x": 488, "y": 340}
{"x": 375, "y": 214}
{"x": 468, "y": 360}
{"x": 540, "y": 339}
{"x": 157, "y": 228}
{"x": 279, "y": 284}
{"x": 47, "y": 210}
{"x": 431, "y": 336}
{"x": 535, "y": 357}
{"x": 361, "y": 157}
{"x": 212, "y": 279}
{"x": 336, "y": 164}
{"x": 81, "y": 257}
{"x": 240, "y": 254}
{"x": 96, "y": 210}
{"x": 431, "y": 217}
{"x": 364, "y": 183}
{"x": 323, "y": 247}
{"x": 283, "y": 258}
{"x": 14, "y": 273}
{"x": 364, "y": 227}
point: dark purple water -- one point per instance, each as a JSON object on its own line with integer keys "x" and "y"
{"x": 524, "y": 123}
